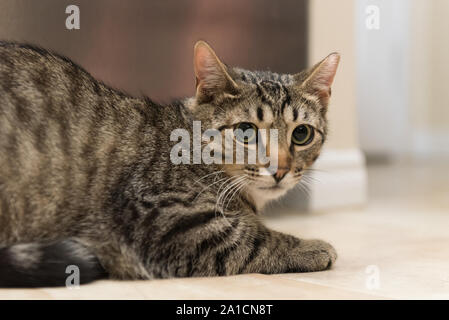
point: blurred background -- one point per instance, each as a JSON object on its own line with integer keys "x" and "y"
{"x": 390, "y": 108}
{"x": 146, "y": 47}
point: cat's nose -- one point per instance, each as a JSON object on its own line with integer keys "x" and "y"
{"x": 280, "y": 174}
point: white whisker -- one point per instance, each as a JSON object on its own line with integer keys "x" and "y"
{"x": 208, "y": 186}
{"x": 229, "y": 192}
{"x": 216, "y": 172}
{"x": 223, "y": 193}
{"x": 237, "y": 190}
{"x": 220, "y": 200}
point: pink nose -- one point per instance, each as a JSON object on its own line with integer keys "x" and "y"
{"x": 280, "y": 174}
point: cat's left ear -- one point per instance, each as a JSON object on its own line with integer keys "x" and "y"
{"x": 212, "y": 77}
{"x": 318, "y": 80}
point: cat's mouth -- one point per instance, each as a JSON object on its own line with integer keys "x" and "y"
{"x": 273, "y": 187}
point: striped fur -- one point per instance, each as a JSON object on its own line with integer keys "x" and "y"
{"x": 86, "y": 177}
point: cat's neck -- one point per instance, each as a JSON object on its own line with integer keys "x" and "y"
{"x": 260, "y": 198}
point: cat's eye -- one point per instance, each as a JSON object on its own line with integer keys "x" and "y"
{"x": 245, "y": 132}
{"x": 303, "y": 135}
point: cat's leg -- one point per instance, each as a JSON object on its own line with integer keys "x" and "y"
{"x": 269, "y": 252}
{"x": 275, "y": 252}
{"x": 214, "y": 245}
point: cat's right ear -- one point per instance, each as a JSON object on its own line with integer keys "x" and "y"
{"x": 318, "y": 80}
{"x": 211, "y": 74}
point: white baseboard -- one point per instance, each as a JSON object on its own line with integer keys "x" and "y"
{"x": 340, "y": 180}
{"x": 428, "y": 143}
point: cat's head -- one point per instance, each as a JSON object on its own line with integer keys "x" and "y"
{"x": 294, "y": 104}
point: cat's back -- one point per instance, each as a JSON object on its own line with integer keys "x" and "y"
{"x": 37, "y": 85}
{"x": 43, "y": 100}
{"x": 33, "y": 78}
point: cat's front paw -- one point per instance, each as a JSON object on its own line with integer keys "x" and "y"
{"x": 315, "y": 255}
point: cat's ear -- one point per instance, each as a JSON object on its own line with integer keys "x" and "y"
{"x": 211, "y": 74}
{"x": 318, "y": 80}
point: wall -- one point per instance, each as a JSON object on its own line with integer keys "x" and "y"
{"x": 146, "y": 46}
{"x": 339, "y": 178}
{"x": 331, "y": 28}
{"x": 429, "y": 95}
{"x": 402, "y": 76}
{"x": 383, "y": 78}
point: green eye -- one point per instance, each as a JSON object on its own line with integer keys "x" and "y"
{"x": 303, "y": 135}
{"x": 245, "y": 132}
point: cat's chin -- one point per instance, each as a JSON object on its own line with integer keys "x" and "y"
{"x": 262, "y": 195}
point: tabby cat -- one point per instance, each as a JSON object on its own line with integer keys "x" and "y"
{"x": 86, "y": 177}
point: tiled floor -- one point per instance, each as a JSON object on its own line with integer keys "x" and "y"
{"x": 395, "y": 247}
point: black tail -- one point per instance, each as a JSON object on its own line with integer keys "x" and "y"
{"x": 48, "y": 265}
